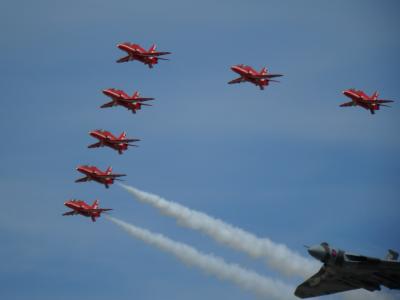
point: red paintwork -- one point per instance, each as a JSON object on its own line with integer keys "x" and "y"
{"x": 136, "y": 52}
{"x": 107, "y": 139}
{"x": 121, "y": 98}
{"x": 248, "y": 74}
{"x": 93, "y": 173}
{"x": 359, "y": 98}
{"x": 80, "y": 207}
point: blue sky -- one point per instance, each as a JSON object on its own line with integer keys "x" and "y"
{"x": 285, "y": 163}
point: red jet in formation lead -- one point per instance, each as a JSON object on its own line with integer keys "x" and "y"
{"x": 136, "y": 52}
{"x": 247, "y": 73}
{"x": 80, "y": 207}
{"x": 121, "y": 98}
{"x": 107, "y": 139}
{"x": 359, "y": 98}
{"x": 93, "y": 173}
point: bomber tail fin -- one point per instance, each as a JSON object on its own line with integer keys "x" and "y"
{"x": 392, "y": 255}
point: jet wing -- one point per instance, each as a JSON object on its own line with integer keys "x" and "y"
{"x": 149, "y": 54}
{"x": 99, "y": 209}
{"x": 96, "y": 145}
{"x": 383, "y": 101}
{"x": 83, "y": 179}
{"x": 322, "y": 283}
{"x": 109, "y": 104}
{"x": 266, "y": 76}
{"x": 141, "y": 99}
{"x": 70, "y": 213}
{"x": 122, "y": 141}
{"x": 351, "y": 103}
{"x": 110, "y": 175}
{"x": 237, "y": 80}
{"x": 123, "y": 59}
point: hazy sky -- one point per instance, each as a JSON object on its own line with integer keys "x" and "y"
{"x": 285, "y": 163}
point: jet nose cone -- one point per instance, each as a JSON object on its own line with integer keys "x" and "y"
{"x": 234, "y": 68}
{"x": 317, "y": 252}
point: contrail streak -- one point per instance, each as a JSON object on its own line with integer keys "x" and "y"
{"x": 278, "y": 256}
{"x": 246, "y": 279}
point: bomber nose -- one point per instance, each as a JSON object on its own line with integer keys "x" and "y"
{"x": 317, "y": 252}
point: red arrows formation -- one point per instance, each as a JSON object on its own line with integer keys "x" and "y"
{"x": 135, "y": 102}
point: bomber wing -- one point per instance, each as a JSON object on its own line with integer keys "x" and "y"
{"x": 323, "y": 283}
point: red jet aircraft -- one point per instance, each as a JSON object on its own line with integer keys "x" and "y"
{"x": 121, "y": 98}
{"x": 93, "y": 173}
{"x": 106, "y": 138}
{"x": 80, "y": 207}
{"x": 135, "y": 52}
{"x": 359, "y": 98}
{"x": 247, "y": 73}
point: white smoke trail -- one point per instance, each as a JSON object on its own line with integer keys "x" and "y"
{"x": 246, "y": 279}
{"x": 278, "y": 256}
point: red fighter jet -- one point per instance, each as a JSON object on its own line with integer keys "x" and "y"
{"x": 121, "y": 98}
{"x": 80, "y": 207}
{"x": 93, "y": 173}
{"x": 247, "y": 73}
{"x": 136, "y": 52}
{"x": 106, "y": 138}
{"x": 359, "y": 98}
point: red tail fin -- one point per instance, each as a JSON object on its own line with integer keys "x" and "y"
{"x": 123, "y": 135}
{"x": 263, "y": 71}
{"x": 95, "y": 204}
{"x": 109, "y": 170}
{"x": 152, "y": 48}
{"x": 135, "y": 94}
{"x": 375, "y": 95}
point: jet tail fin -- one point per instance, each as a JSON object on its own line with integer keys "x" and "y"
{"x": 375, "y": 95}
{"x": 392, "y": 255}
{"x": 263, "y": 71}
{"x": 123, "y": 135}
{"x": 109, "y": 170}
{"x": 135, "y": 95}
{"x": 95, "y": 204}
{"x": 152, "y": 48}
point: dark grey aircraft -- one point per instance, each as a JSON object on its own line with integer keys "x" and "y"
{"x": 343, "y": 271}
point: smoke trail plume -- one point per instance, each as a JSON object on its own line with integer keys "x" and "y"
{"x": 246, "y": 279}
{"x": 278, "y": 256}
